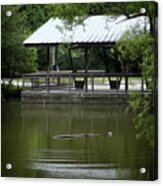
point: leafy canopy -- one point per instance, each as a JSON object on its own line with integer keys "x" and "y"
{"x": 16, "y": 59}
{"x": 140, "y": 49}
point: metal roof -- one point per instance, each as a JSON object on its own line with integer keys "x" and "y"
{"x": 94, "y": 29}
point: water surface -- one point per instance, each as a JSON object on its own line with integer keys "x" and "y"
{"x": 72, "y": 141}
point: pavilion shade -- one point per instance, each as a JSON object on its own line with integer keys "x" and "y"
{"x": 93, "y": 30}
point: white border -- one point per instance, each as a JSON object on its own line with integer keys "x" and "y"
{"x": 71, "y": 182}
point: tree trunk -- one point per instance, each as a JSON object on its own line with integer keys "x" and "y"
{"x": 9, "y": 83}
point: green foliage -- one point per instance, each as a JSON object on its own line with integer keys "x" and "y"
{"x": 36, "y": 15}
{"x": 42, "y": 61}
{"x": 140, "y": 50}
{"x": 16, "y": 59}
{"x": 144, "y": 121}
{"x": 113, "y": 61}
{"x": 10, "y": 92}
{"x": 68, "y": 12}
{"x": 97, "y": 59}
{"x": 136, "y": 49}
{"x": 130, "y": 9}
{"x": 149, "y": 63}
{"x": 125, "y": 8}
{"x": 63, "y": 59}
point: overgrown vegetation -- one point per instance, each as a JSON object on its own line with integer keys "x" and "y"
{"x": 16, "y": 59}
{"x": 10, "y": 91}
{"x": 145, "y": 119}
{"x": 140, "y": 50}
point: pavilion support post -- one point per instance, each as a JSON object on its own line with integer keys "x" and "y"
{"x": 142, "y": 84}
{"x": 86, "y": 70}
{"x": 69, "y": 83}
{"x": 71, "y": 62}
{"x": 70, "y": 59}
{"x": 105, "y": 59}
{"x": 106, "y": 62}
{"x": 48, "y": 63}
{"x": 23, "y": 83}
{"x": 126, "y": 83}
{"x": 87, "y": 65}
{"x": 54, "y": 58}
{"x": 117, "y": 84}
{"x": 56, "y": 65}
{"x": 54, "y": 62}
{"x": 32, "y": 83}
{"x": 92, "y": 83}
{"x": 126, "y": 78}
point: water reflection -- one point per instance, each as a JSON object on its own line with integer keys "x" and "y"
{"x": 72, "y": 141}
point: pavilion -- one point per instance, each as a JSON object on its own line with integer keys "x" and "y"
{"x": 94, "y": 31}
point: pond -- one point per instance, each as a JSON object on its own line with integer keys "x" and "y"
{"x": 72, "y": 141}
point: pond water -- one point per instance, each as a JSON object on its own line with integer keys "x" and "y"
{"x": 72, "y": 141}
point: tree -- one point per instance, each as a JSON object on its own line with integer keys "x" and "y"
{"x": 16, "y": 59}
{"x": 129, "y": 9}
{"x": 146, "y": 119}
{"x": 140, "y": 50}
{"x": 131, "y": 48}
{"x": 36, "y": 15}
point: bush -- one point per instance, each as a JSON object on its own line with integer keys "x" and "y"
{"x": 10, "y": 91}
